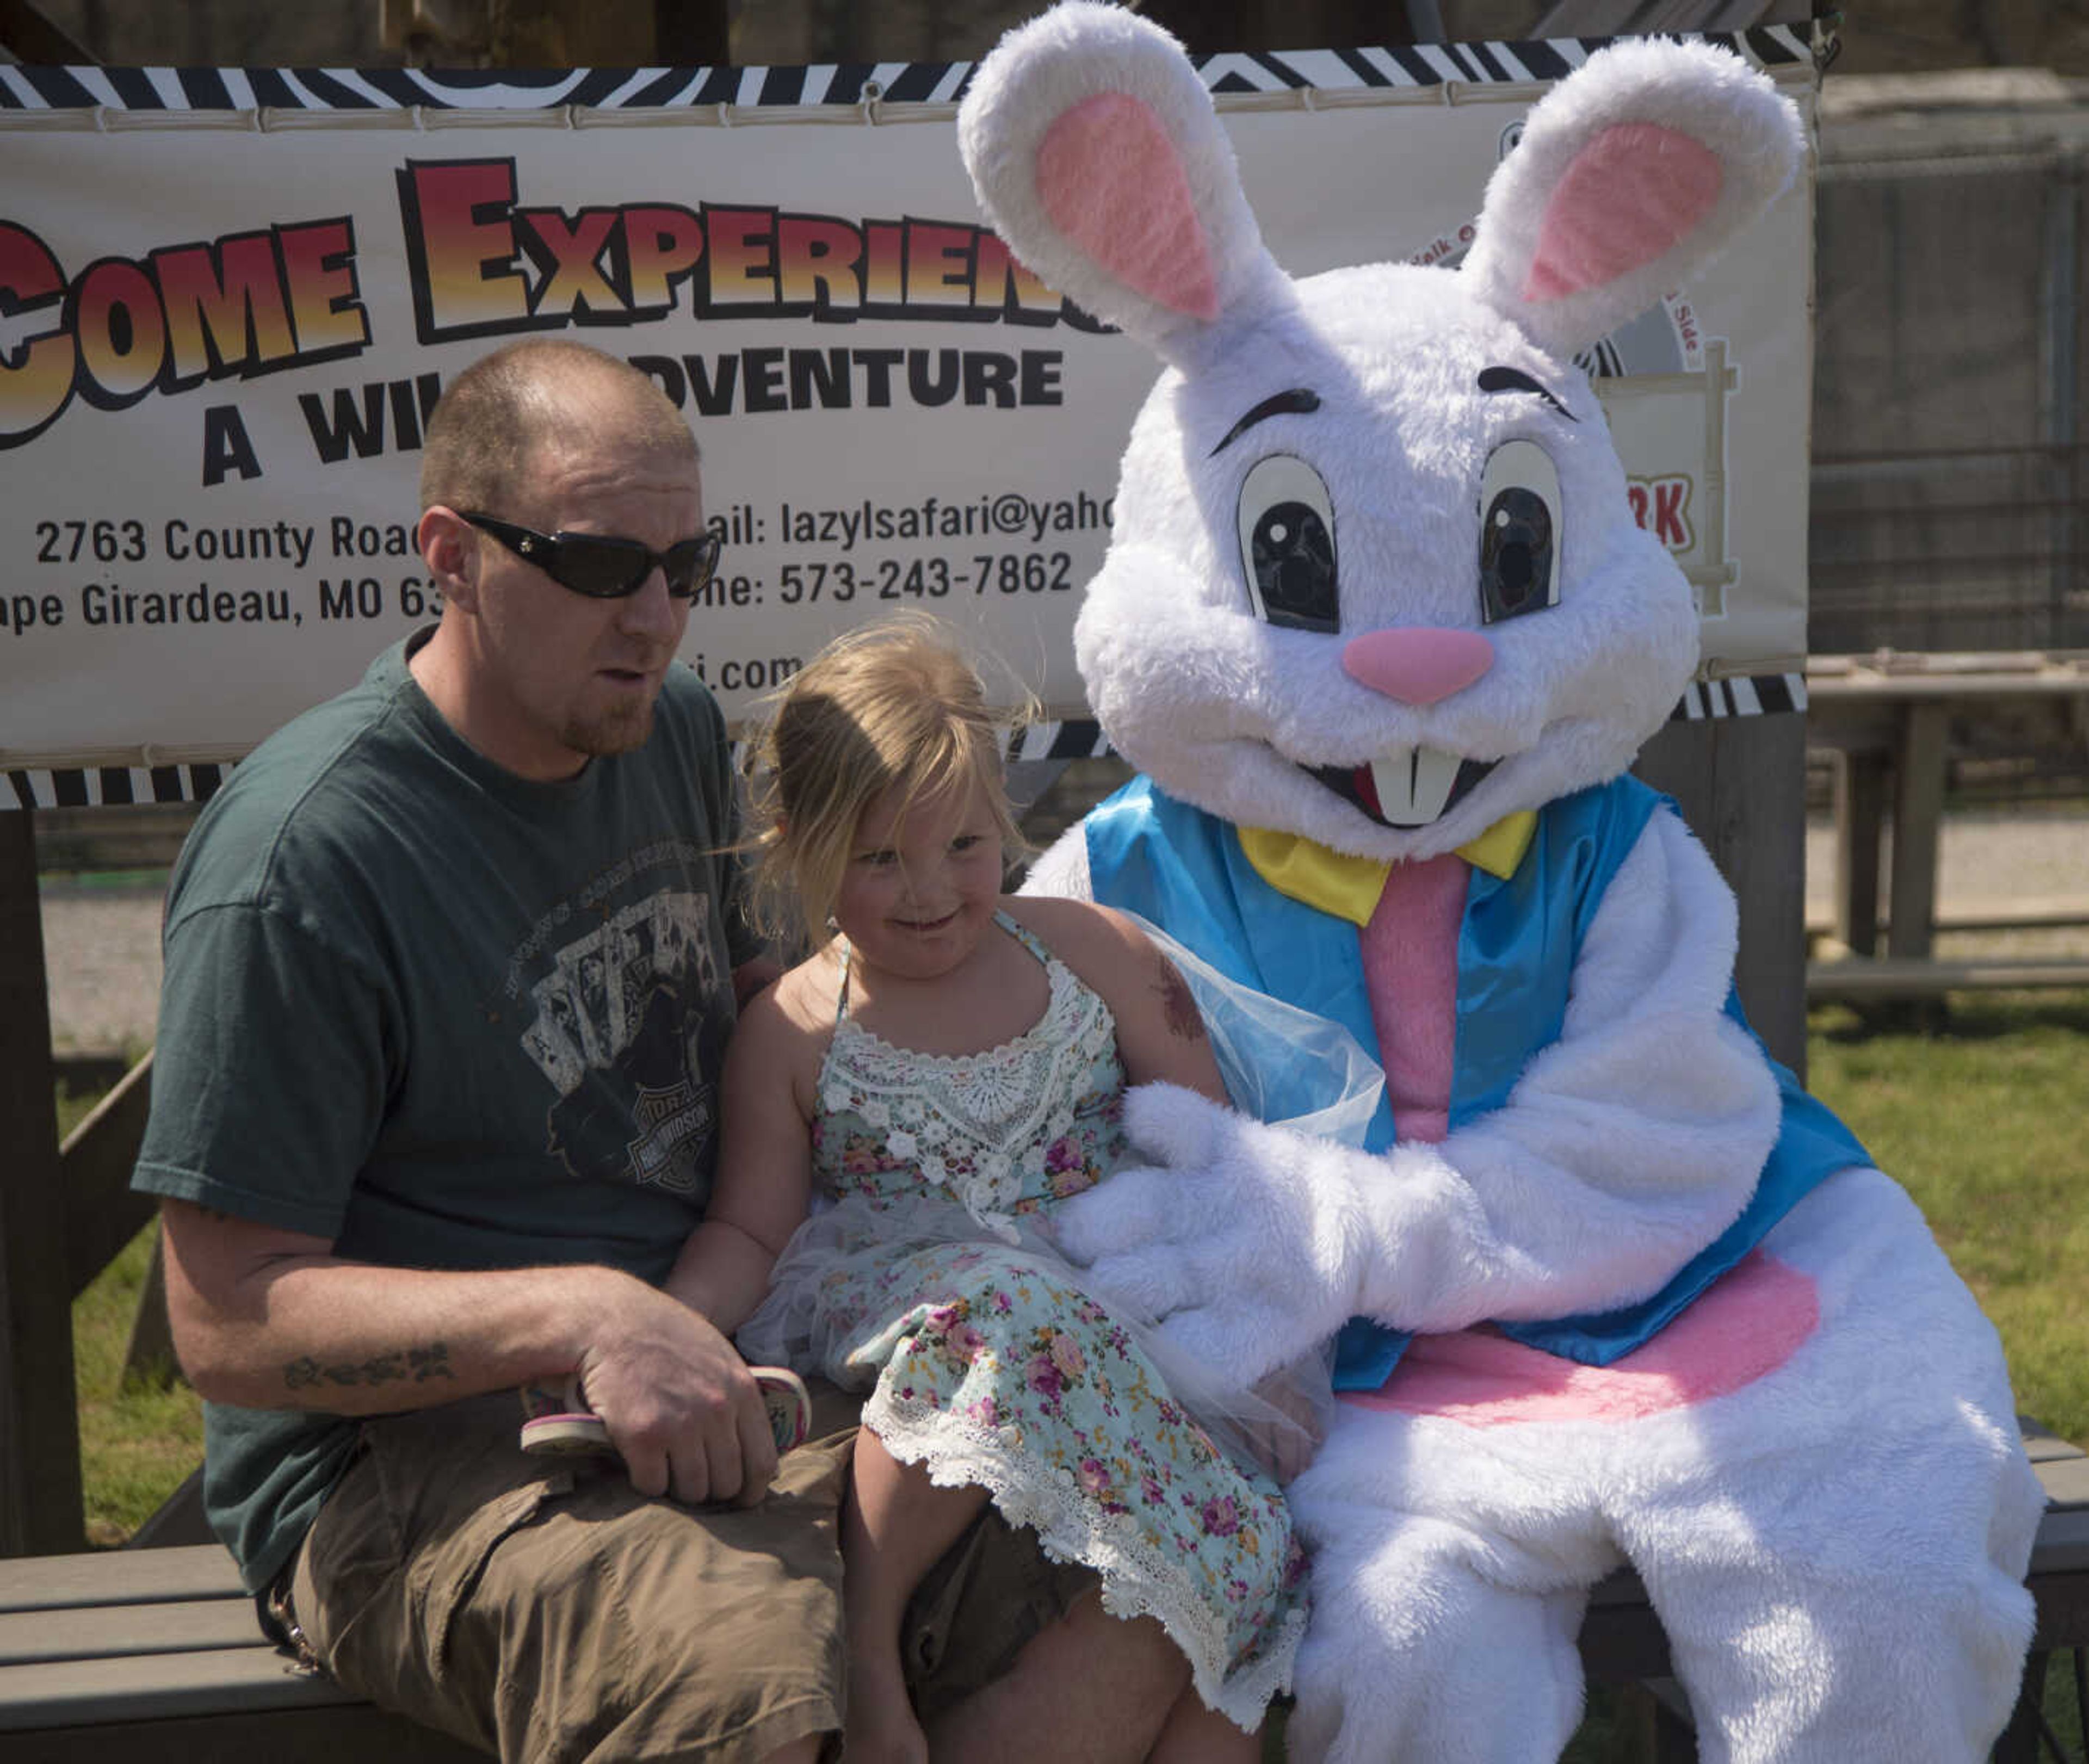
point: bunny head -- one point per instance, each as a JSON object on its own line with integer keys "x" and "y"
{"x": 1375, "y": 578}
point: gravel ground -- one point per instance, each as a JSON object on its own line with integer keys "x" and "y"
{"x": 101, "y": 944}
{"x": 101, "y": 951}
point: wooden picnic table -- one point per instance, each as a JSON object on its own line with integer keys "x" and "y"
{"x": 1888, "y": 718}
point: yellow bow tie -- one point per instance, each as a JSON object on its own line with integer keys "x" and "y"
{"x": 1334, "y": 882}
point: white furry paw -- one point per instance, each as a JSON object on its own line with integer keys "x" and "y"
{"x": 1231, "y": 1248}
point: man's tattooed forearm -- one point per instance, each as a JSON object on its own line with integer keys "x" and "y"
{"x": 418, "y": 1364}
{"x": 1177, "y": 1005}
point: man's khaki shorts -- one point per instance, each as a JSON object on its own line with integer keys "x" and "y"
{"x": 541, "y": 1609}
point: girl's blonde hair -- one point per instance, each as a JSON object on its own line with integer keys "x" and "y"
{"x": 891, "y": 705}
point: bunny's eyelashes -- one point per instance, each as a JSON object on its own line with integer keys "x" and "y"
{"x": 1520, "y": 513}
{"x": 1285, "y": 520}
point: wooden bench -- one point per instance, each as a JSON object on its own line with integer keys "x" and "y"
{"x": 156, "y": 1654}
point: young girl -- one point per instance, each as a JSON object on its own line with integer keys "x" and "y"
{"x": 950, "y": 1065}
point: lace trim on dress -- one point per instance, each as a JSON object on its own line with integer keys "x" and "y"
{"x": 956, "y": 1115}
{"x": 1137, "y": 1581}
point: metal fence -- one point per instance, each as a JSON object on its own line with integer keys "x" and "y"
{"x": 1948, "y": 461}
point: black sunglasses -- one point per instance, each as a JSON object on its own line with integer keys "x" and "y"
{"x": 606, "y": 568}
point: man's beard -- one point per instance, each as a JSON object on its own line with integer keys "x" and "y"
{"x": 609, "y": 731}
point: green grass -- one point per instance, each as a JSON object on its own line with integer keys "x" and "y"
{"x": 1978, "y": 1111}
{"x": 1974, "y": 1104}
{"x": 140, "y": 1437}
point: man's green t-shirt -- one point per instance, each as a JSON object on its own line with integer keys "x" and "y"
{"x": 442, "y": 1017}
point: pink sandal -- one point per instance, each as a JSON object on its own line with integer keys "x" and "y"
{"x": 560, "y": 1421}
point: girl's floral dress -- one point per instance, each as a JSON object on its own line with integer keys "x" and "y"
{"x": 928, "y": 1277}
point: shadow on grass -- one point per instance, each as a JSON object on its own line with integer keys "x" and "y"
{"x": 1960, "y": 1017}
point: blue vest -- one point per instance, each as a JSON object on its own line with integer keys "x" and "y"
{"x": 1517, "y": 947}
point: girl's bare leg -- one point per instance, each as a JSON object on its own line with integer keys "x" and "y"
{"x": 895, "y": 1525}
{"x": 1194, "y": 1734}
{"x": 1128, "y": 1673}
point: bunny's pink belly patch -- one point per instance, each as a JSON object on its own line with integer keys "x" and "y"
{"x": 1749, "y": 1323}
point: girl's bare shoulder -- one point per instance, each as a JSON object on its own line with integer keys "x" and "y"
{"x": 782, "y": 1036}
{"x": 1160, "y": 1033}
{"x": 1096, "y": 942}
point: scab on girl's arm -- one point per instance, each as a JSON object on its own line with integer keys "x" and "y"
{"x": 764, "y": 1169}
{"x": 1161, "y": 1034}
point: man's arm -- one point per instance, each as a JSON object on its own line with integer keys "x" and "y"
{"x": 269, "y": 1318}
{"x": 750, "y": 976}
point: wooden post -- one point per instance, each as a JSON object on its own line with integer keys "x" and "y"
{"x": 1741, "y": 784}
{"x": 689, "y": 34}
{"x": 102, "y": 1213}
{"x": 150, "y": 1352}
{"x": 33, "y": 38}
{"x": 1860, "y": 801}
{"x": 1918, "y": 818}
{"x": 40, "y": 1509}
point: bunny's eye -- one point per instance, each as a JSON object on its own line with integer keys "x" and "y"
{"x": 1520, "y": 533}
{"x": 1287, "y": 538}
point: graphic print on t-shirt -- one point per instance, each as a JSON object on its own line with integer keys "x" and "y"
{"x": 630, "y": 1029}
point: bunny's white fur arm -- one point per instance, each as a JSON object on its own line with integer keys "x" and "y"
{"x": 1625, "y": 1147}
{"x": 1062, "y": 868}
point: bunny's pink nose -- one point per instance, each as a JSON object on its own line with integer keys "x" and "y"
{"x": 1418, "y": 666}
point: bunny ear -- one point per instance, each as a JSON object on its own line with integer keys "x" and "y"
{"x": 1097, "y": 155}
{"x": 1631, "y": 175}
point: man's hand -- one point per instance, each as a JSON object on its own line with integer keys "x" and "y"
{"x": 268, "y": 1318}
{"x": 1241, "y": 1246}
{"x": 681, "y": 1406}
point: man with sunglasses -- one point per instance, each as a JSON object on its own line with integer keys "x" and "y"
{"x": 450, "y": 966}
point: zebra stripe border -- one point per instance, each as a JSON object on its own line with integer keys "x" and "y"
{"x": 111, "y": 787}
{"x": 1392, "y": 66}
{"x": 1758, "y": 695}
{"x": 1742, "y": 695}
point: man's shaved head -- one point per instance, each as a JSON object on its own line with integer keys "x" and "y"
{"x": 539, "y": 393}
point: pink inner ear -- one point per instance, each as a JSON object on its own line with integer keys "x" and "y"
{"x": 1630, "y": 195}
{"x": 1112, "y": 182}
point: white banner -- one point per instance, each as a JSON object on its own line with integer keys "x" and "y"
{"x": 221, "y": 332}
